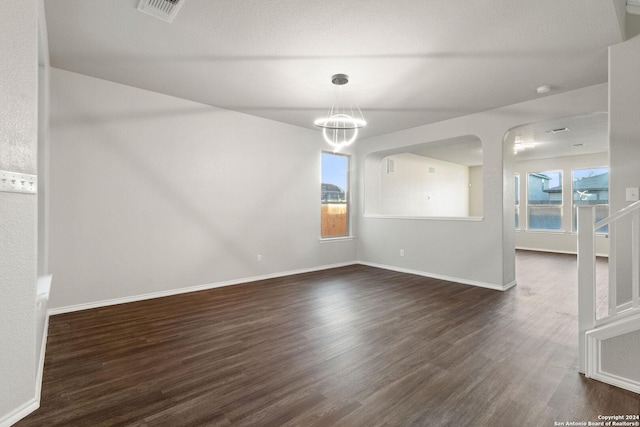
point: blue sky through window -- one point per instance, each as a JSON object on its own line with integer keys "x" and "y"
{"x": 334, "y": 169}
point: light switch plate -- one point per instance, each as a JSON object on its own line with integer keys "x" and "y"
{"x": 632, "y": 194}
{"x": 16, "y": 182}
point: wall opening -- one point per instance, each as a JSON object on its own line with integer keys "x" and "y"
{"x": 559, "y": 164}
{"x": 439, "y": 179}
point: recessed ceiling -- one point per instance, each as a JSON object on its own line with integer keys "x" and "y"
{"x": 464, "y": 150}
{"x": 577, "y": 135}
{"x": 566, "y": 136}
{"x": 410, "y": 62}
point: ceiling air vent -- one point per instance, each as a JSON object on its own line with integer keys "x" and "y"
{"x": 165, "y": 10}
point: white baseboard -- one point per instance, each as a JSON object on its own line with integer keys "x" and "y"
{"x": 20, "y": 412}
{"x": 616, "y": 381}
{"x": 170, "y": 292}
{"x": 442, "y": 277}
{"x": 43, "y": 285}
{"x": 34, "y": 403}
{"x": 40, "y": 370}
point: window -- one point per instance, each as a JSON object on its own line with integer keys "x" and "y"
{"x": 591, "y": 188}
{"x": 545, "y": 200}
{"x": 517, "y": 183}
{"x": 334, "y": 217}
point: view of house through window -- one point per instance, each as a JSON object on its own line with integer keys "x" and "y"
{"x": 545, "y": 200}
{"x": 334, "y": 198}
{"x": 591, "y": 187}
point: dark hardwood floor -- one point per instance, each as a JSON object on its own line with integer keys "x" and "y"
{"x": 354, "y": 346}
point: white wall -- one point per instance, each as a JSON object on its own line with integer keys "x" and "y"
{"x": 624, "y": 130}
{"x": 471, "y": 251}
{"x": 18, "y": 212}
{"x": 412, "y": 190}
{"x": 475, "y": 191}
{"x": 556, "y": 241}
{"x": 151, "y": 193}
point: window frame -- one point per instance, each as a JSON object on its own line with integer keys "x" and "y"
{"x": 560, "y": 205}
{"x": 574, "y": 219}
{"x": 348, "y": 235}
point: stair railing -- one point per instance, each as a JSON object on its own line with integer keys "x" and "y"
{"x": 588, "y": 319}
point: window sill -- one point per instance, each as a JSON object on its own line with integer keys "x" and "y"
{"x": 431, "y": 218}
{"x": 573, "y": 233}
{"x": 536, "y": 231}
{"x": 335, "y": 239}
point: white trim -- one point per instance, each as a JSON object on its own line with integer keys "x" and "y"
{"x": 336, "y": 239}
{"x": 622, "y": 312}
{"x": 43, "y": 348}
{"x": 617, "y": 381}
{"x": 543, "y": 230}
{"x": 434, "y": 218}
{"x": 625, "y": 306}
{"x": 619, "y": 327}
{"x": 593, "y": 350}
{"x": 441, "y": 277}
{"x": 34, "y": 403}
{"x": 555, "y": 251}
{"x": 44, "y": 36}
{"x": 171, "y": 292}
{"x": 20, "y": 412}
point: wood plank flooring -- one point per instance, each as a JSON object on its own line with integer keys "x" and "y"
{"x": 354, "y": 346}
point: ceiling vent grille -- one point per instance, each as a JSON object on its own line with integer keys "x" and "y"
{"x": 165, "y": 10}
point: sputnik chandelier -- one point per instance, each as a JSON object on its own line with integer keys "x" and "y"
{"x": 340, "y": 126}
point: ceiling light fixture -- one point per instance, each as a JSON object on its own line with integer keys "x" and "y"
{"x": 521, "y": 146}
{"x": 340, "y": 126}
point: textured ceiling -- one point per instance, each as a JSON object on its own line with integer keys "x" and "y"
{"x": 411, "y": 62}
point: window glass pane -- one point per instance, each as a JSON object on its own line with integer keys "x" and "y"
{"x": 544, "y": 197}
{"x": 591, "y": 188}
{"x": 334, "y": 195}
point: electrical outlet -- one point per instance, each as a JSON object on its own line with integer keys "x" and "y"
{"x": 16, "y": 182}
{"x": 259, "y": 258}
{"x": 401, "y": 252}
{"x": 632, "y": 194}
